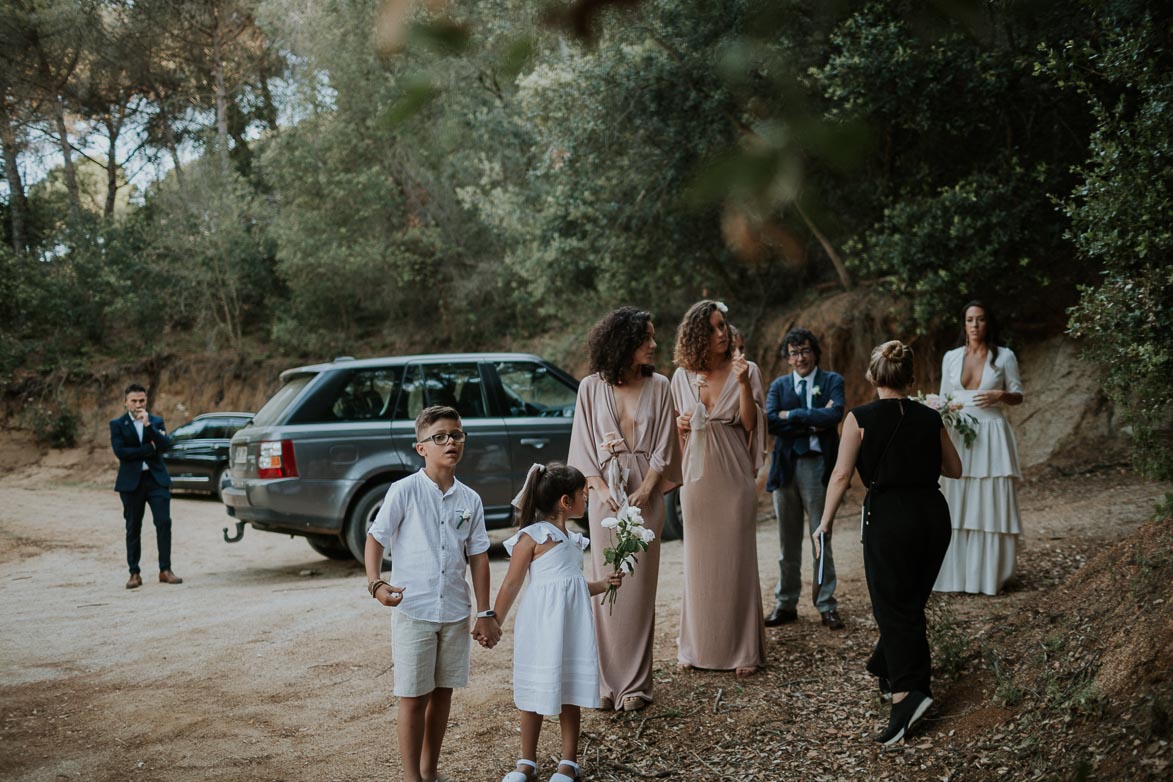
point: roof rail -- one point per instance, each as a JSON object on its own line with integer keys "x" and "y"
{"x": 344, "y": 358}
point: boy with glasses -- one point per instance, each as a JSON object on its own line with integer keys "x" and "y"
{"x": 803, "y": 411}
{"x": 433, "y": 524}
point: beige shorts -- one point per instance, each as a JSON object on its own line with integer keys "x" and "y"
{"x": 428, "y": 655}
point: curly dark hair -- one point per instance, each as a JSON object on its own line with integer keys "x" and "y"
{"x": 612, "y": 342}
{"x": 796, "y": 338}
{"x": 692, "y": 338}
{"x": 991, "y": 328}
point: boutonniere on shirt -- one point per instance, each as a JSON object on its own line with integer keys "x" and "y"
{"x": 462, "y": 516}
{"x": 815, "y": 391}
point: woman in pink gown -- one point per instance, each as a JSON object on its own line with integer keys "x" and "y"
{"x": 720, "y": 406}
{"x": 624, "y": 442}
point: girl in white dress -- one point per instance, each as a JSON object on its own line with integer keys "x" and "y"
{"x": 983, "y": 502}
{"x": 555, "y": 658}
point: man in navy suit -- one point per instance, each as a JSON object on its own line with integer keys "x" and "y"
{"x": 139, "y": 440}
{"x": 803, "y": 411}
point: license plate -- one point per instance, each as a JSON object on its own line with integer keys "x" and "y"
{"x": 241, "y": 454}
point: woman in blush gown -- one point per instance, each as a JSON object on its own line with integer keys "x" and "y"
{"x": 720, "y": 407}
{"x": 624, "y": 442}
{"x": 983, "y": 502}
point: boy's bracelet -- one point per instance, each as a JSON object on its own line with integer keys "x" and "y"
{"x": 373, "y": 586}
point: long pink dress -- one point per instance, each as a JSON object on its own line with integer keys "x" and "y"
{"x": 625, "y": 634}
{"x": 721, "y": 617}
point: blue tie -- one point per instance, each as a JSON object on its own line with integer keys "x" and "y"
{"x": 803, "y": 444}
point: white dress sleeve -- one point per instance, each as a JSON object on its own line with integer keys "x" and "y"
{"x": 1009, "y": 363}
{"x": 540, "y": 531}
{"x": 947, "y": 386}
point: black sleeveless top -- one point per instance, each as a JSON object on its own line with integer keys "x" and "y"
{"x": 913, "y": 460}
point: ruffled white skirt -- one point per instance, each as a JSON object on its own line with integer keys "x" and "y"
{"x": 983, "y": 506}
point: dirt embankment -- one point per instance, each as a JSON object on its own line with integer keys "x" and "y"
{"x": 1066, "y": 420}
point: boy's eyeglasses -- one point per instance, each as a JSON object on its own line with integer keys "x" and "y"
{"x": 443, "y": 438}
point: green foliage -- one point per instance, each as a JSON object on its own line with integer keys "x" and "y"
{"x": 471, "y": 177}
{"x": 52, "y": 424}
{"x": 976, "y": 238}
{"x": 946, "y": 638}
{"x": 1120, "y": 222}
{"x": 955, "y": 202}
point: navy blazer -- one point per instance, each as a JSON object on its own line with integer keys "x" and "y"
{"x": 132, "y": 452}
{"x": 800, "y": 422}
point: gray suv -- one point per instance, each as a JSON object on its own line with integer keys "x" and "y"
{"x": 318, "y": 457}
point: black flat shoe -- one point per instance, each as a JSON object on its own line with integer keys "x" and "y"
{"x": 781, "y": 616}
{"x": 904, "y": 715}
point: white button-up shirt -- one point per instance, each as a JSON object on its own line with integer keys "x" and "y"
{"x": 810, "y": 384}
{"x": 138, "y": 429}
{"x": 430, "y": 534}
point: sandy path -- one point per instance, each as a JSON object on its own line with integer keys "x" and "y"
{"x": 271, "y": 663}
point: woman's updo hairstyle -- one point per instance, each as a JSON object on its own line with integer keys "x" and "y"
{"x": 891, "y": 366}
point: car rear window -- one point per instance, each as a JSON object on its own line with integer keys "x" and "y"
{"x": 352, "y": 395}
{"x": 278, "y": 403}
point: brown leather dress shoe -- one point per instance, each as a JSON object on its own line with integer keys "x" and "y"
{"x": 167, "y": 577}
{"x": 135, "y": 581}
{"x": 832, "y": 620}
{"x": 781, "y": 616}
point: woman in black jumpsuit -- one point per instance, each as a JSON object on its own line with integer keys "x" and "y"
{"x": 900, "y": 448}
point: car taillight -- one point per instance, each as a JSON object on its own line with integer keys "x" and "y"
{"x": 276, "y": 460}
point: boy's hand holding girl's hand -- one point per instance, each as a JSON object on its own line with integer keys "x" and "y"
{"x": 487, "y": 632}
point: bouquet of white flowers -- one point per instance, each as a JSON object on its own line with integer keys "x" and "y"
{"x": 631, "y": 537}
{"x": 951, "y": 414}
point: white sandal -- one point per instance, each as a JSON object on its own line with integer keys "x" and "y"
{"x": 560, "y": 777}
{"x": 521, "y": 776}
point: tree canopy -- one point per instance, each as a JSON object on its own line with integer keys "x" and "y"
{"x": 313, "y": 177}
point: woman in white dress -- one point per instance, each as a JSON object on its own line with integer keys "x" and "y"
{"x": 983, "y": 502}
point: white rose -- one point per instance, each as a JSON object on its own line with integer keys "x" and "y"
{"x": 627, "y": 566}
{"x": 610, "y": 523}
{"x": 647, "y": 535}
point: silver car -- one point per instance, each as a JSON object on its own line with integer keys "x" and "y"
{"x": 319, "y": 456}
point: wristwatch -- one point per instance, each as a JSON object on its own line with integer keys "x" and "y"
{"x": 488, "y": 614}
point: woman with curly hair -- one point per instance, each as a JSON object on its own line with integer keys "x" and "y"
{"x": 721, "y": 419}
{"x": 624, "y": 442}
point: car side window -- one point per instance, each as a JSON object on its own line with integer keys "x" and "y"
{"x": 454, "y": 384}
{"x": 189, "y": 431}
{"x": 531, "y": 389}
{"x": 217, "y": 429}
{"x": 357, "y": 395}
{"x": 235, "y": 425}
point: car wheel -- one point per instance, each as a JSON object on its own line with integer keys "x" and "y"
{"x": 362, "y": 513}
{"x": 329, "y": 546}
{"x": 673, "y": 516}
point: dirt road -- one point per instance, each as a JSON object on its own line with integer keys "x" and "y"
{"x": 271, "y": 663}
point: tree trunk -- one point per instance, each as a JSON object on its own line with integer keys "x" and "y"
{"x": 836, "y": 261}
{"x": 67, "y": 154}
{"x": 218, "y": 86}
{"x": 17, "y": 203}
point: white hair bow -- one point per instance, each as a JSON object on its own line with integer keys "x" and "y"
{"x": 531, "y": 476}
